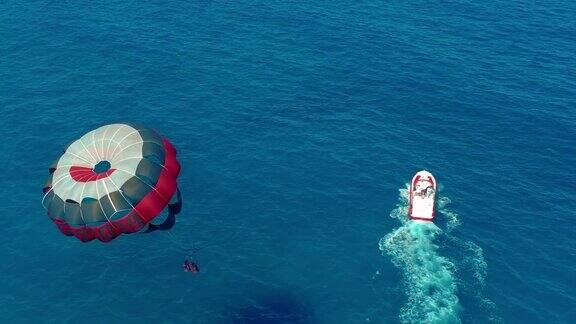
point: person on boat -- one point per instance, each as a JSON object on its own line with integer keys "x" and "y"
{"x": 420, "y": 191}
{"x": 190, "y": 266}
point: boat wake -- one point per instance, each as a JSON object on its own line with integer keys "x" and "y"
{"x": 429, "y": 277}
{"x": 470, "y": 264}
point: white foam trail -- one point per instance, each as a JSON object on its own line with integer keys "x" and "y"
{"x": 475, "y": 267}
{"x": 475, "y": 260}
{"x": 472, "y": 262}
{"x": 429, "y": 277}
{"x": 451, "y": 217}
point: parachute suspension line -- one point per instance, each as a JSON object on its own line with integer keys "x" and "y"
{"x": 173, "y": 210}
{"x": 188, "y": 251}
{"x": 176, "y": 208}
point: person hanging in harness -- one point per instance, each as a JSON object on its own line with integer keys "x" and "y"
{"x": 190, "y": 266}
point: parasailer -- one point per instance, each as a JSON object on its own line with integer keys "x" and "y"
{"x": 113, "y": 180}
{"x": 190, "y": 266}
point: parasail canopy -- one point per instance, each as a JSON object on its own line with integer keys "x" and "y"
{"x": 113, "y": 180}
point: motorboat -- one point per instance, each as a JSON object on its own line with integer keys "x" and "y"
{"x": 422, "y": 196}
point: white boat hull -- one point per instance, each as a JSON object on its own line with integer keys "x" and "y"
{"x": 422, "y": 197}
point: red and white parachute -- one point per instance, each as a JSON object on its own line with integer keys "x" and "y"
{"x": 113, "y": 180}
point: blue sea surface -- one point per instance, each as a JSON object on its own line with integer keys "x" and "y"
{"x": 298, "y": 126}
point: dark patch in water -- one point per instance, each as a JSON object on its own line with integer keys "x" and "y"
{"x": 275, "y": 306}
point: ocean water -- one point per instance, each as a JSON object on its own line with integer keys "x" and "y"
{"x": 298, "y": 126}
